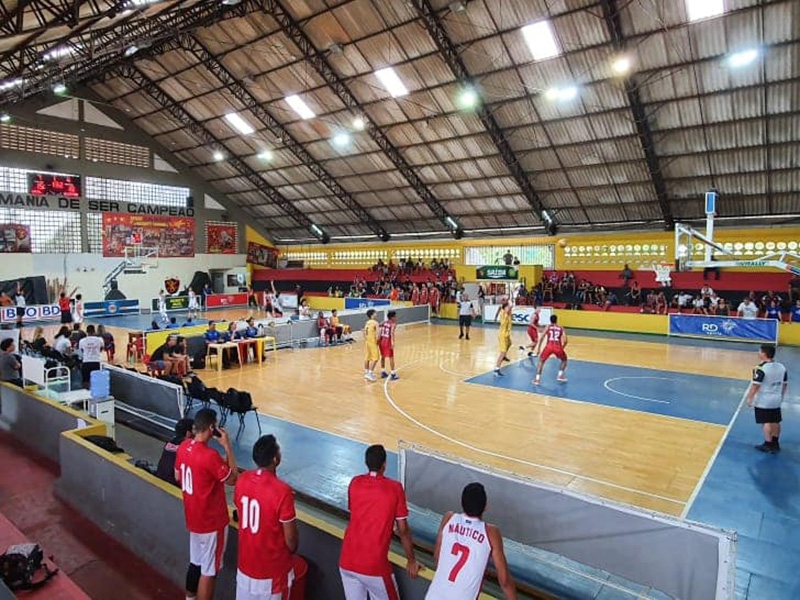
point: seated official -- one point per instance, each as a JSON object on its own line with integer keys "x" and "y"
{"x": 10, "y": 366}
{"x": 161, "y": 359}
{"x": 166, "y": 464}
{"x": 212, "y": 336}
{"x": 251, "y": 331}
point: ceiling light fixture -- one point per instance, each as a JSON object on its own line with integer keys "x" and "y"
{"x": 266, "y": 155}
{"x": 742, "y": 58}
{"x": 622, "y": 65}
{"x": 697, "y": 10}
{"x": 300, "y": 107}
{"x": 468, "y": 98}
{"x": 5, "y": 118}
{"x": 10, "y": 83}
{"x": 239, "y": 124}
{"x": 59, "y": 89}
{"x": 359, "y": 123}
{"x": 130, "y": 51}
{"x": 541, "y": 40}
{"x": 218, "y": 156}
{"x": 562, "y": 94}
{"x": 230, "y": 2}
{"x": 388, "y": 77}
{"x": 57, "y": 53}
{"x": 341, "y": 139}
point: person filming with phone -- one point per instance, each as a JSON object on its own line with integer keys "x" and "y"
{"x": 202, "y": 474}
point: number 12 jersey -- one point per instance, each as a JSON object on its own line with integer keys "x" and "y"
{"x": 463, "y": 555}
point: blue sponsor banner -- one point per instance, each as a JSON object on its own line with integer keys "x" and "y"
{"x": 724, "y": 328}
{"x": 365, "y": 302}
{"x": 37, "y": 312}
{"x": 110, "y": 308}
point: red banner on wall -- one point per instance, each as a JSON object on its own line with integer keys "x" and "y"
{"x": 221, "y": 238}
{"x": 15, "y": 237}
{"x": 218, "y": 300}
{"x": 263, "y": 256}
{"x": 173, "y": 236}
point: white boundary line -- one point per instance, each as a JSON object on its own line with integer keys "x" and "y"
{"x": 463, "y": 444}
{"x": 634, "y": 396}
{"x": 713, "y": 459}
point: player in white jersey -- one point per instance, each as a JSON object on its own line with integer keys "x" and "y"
{"x": 193, "y": 305}
{"x": 463, "y": 548}
{"x": 767, "y": 391}
{"x": 162, "y": 306}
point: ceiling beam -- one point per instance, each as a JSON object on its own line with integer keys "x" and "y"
{"x": 451, "y": 56}
{"x": 138, "y": 78}
{"x": 200, "y": 52}
{"x": 320, "y": 64}
{"x": 613, "y": 22}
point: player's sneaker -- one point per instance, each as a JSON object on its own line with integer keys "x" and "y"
{"x": 531, "y": 354}
{"x": 498, "y": 373}
{"x": 522, "y": 349}
{"x": 506, "y": 359}
{"x": 460, "y": 335}
{"x": 537, "y": 380}
{"x": 384, "y": 374}
{"x": 371, "y": 377}
{"x": 561, "y": 379}
{"x": 467, "y": 336}
{"x": 765, "y": 447}
{"x": 394, "y": 377}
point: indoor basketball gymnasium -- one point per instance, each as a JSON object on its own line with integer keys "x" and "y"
{"x": 258, "y": 183}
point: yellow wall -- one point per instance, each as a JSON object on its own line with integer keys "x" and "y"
{"x": 611, "y": 321}
{"x": 325, "y": 303}
{"x": 789, "y": 334}
{"x": 251, "y": 235}
{"x": 596, "y": 254}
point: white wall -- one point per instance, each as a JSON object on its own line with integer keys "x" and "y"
{"x": 88, "y": 271}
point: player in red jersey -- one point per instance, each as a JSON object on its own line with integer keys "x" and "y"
{"x": 423, "y": 295}
{"x": 202, "y": 474}
{"x": 555, "y": 345}
{"x": 433, "y": 300}
{"x": 267, "y": 528}
{"x": 386, "y": 343}
{"x": 415, "y": 295}
{"x": 533, "y": 335}
{"x": 376, "y": 503}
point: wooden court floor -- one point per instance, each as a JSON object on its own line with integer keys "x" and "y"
{"x": 648, "y": 460}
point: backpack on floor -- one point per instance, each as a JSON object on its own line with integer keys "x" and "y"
{"x": 19, "y": 566}
{"x": 238, "y": 401}
{"x": 199, "y": 361}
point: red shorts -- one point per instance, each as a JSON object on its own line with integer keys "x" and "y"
{"x": 552, "y": 350}
{"x": 533, "y": 333}
{"x": 386, "y": 349}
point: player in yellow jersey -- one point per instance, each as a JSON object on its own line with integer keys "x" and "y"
{"x": 503, "y": 336}
{"x": 373, "y": 353}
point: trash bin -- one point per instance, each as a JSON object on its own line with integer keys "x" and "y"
{"x": 300, "y": 578}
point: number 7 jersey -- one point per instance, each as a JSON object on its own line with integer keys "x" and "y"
{"x": 463, "y": 555}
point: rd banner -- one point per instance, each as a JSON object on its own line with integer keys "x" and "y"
{"x": 724, "y": 328}
{"x": 173, "y": 236}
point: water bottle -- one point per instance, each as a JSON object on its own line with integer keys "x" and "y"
{"x": 100, "y": 383}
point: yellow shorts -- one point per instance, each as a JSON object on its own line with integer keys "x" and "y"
{"x": 373, "y": 353}
{"x": 504, "y": 343}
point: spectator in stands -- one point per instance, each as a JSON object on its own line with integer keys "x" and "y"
{"x": 160, "y": 359}
{"x": 794, "y": 312}
{"x": 166, "y": 464}
{"x": 699, "y": 306}
{"x": 108, "y": 342}
{"x": 508, "y": 258}
{"x": 661, "y": 303}
{"x": 376, "y": 505}
{"x": 267, "y": 537}
{"x": 38, "y": 342}
{"x": 337, "y": 327}
{"x": 773, "y": 310}
{"x": 61, "y": 343}
{"x": 583, "y": 289}
{"x": 6, "y": 300}
{"x": 682, "y": 301}
{"x": 10, "y": 367}
{"x": 325, "y": 330}
{"x": 626, "y": 275}
{"x": 794, "y": 288}
{"x": 305, "y": 309}
{"x": 173, "y": 323}
{"x": 77, "y": 335}
{"x": 747, "y": 309}
{"x": 706, "y": 290}
{"x": 516, "y": 262}
{"x": 649, "y": 304}
{"x": 568, "y": 282}
{"x": 203, "y": 474}
{"x": 485, "y": 538}
{"x": 154, "y": 325}
{"x": 179, "y": 359}
{"x": 90, "y": 349}
{"x": 724, "y": 308}
{"x": 634, "y": 295}
{"x": 609, "y": 301}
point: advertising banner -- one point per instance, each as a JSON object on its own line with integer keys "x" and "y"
{"x": 724, "y": 328}
{"x": 173, "y": 236}
{"x": 225, "y": 300}
{"x": 365, "y": 302}
{"x": 263, "y": 256}
{"x": 173, "y": 303}
{"x": 110, "y": 308}
{"x": 499, "y": 272}
{"x": 43, "y": 312}
{"x": 15, "y": 237}
{"x": 221, "y": 238}
{"x": 520, "y": 315}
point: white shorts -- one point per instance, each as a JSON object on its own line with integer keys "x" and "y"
{"x": 206, "y": 550}
{"x": 372, "y": 587}
{"x": 248, "y": 588}
{"x": 193, "y": 304}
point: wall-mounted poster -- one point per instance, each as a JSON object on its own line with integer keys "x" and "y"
{"x": 173, "y": 236}
{"x": 221, "y": 238}
{"x": 15, "y": 237}
{"x": 264, "y": 256}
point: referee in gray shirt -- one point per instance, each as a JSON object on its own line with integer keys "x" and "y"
{"x": 767, "y": 391}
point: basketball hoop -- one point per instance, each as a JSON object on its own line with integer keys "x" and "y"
{"x": 663, "y": 274}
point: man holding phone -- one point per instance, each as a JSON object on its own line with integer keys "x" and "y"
{"x": 202, "y": 474}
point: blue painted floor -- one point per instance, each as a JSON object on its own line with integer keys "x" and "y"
{"x": 696, "y": 397}
{"x": 141, "y": 322}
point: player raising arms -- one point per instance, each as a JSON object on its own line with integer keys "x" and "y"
{"x": 503, "y": 336}
{"x": 463, "y": 548}
{"x": 386, "y": 343}
{"x": 371, "y": 345}
{"x": 555, "y": 345}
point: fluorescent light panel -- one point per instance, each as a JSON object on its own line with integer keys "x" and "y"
{"x": 10, "y": 83}
{"x": 57, "y": 53}
{"x": 743, "y": 58}
{"x": 541, "y": 40}
{"x": 704, "y": 9}
{"x": 391, "y": 82}
{"x": 239, "y": 124}
{"x": 300, "y": 107}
